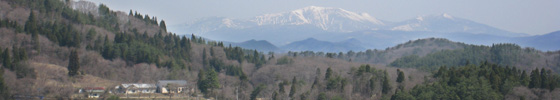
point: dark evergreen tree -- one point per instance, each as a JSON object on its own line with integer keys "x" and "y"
{"x": 368, "y": 68}
{"x": 4, "y": 92}
{"x": 162, "y": 25}
{"x": 535, "y": 79}
{"x": 212, "y": 80}
{"x": 400, "y": 77}
{"x": 6, "y": 59}
{"x": 402, "y": 95}
{"x": 315, "y": 82}
{"x": 281, "y": 88}
{"x": 544, "y": 79}
{"x": 200, "y": 82}
{"x": 91, "y": 34}
{"x": 293, "y": 88}
{"x": 256, "y": 92}
{"x": 328, "y": 74}
{"x": 73, "y": 63}
{"x": 386, "y": 87}
{"x": 275, "y": 95}
{"x": 524, "y": 78}
{"x": 371, "y": 84}
{"x": 322, "y": 96}
{"x": 204, "y": 58}
{"x": 31, "y": 24}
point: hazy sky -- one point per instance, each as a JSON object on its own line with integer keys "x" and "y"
{"x": 524, "y": 16}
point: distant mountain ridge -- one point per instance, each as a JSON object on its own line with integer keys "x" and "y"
{"x": 336, "y": 24}
{"x": 260, "y": 45}
{"x": 309, "y": 44}
{"x": 312, "y": 44}
{"x": 548, "y": 41}
{"x": 445, "y": 23}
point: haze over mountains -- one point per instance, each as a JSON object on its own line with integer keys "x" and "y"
{"x": 323, "y": 28}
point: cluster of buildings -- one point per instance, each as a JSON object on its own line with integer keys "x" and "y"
{"x": 162, "y": 86}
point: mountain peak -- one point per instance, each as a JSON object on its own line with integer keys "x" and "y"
{"x": 445, "y": 15}
{"x": 325, "y": 18}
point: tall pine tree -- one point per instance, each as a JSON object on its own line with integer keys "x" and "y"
{"x": 400, "y": 77}
{"x": 162, "y": 25}
{"x": 535, "y": 79}
{"x": 31, "y": 23}
{"x": 293, "y": 89}
{"x": 73, "y": 63}
{"x": 4, "y": 93}
{"x": 328, "y": 74}
{"x": 6, "y": 59}
{"x": 386, "y": 88}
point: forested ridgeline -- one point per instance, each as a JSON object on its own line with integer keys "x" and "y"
{"x": 485, "y": 81}
{"x": 501, "y": 54}
{"x": 430, "y": 53}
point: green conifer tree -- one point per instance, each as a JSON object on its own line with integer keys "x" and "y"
{"x": 4, "y": 93}
{"x": 535, "y": 79}
{"x": 328, "y": 74}
{"x": 162, "y": 25}
{"x": 386, "y": 86}
{"x": 400, "y": 77}
{"x": 7, "y": 60}
{"x": 293, "y": 88}
{"x": 73, "y": 63}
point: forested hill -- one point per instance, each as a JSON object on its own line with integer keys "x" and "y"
{"x": 431, "y": 53}
{"x": 419, "y": 47}
{"x": 485, "y": 81}
{"x": 60, "y": 46}
{"x": 501, "y": 54}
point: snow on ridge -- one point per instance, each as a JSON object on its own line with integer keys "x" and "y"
{"x": 420, "y": 18}
{"x": 320, "y": 16}
{"x": 228, "y": 22}
{"x": 445, "y": 15}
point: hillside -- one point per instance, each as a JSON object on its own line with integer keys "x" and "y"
{"x": 501, "y": 54}
{"x": 431, "y": 53}
{"x": 420, "y": 47}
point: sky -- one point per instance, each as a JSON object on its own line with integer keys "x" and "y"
{"x": 533, "y": 17}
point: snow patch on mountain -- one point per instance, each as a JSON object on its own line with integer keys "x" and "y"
{"x": 420, "y": 18}
{"x": 447, "y": 16}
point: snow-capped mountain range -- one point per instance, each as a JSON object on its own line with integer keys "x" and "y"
{"x": 339, "y": 20}
{"x": 324, "y": 18}
{"x": 336, "y": 24}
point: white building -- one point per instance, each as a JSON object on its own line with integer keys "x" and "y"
{"x": 133, "y": 88}
{"x": 93, "y": 92}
